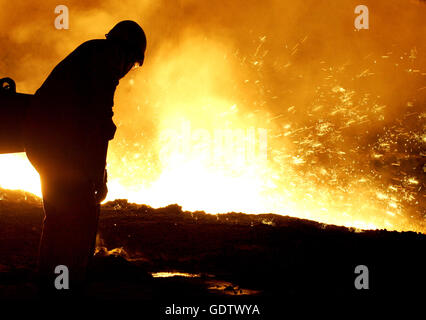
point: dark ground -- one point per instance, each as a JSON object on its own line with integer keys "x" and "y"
{"x": 240, "y": 259}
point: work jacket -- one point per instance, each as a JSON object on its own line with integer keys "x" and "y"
{"x": 70, "y": 117}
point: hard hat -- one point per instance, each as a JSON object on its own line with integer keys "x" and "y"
{"x": 132, "y": 36}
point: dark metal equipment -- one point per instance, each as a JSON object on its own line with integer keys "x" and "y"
{"x": 13, "y": 108}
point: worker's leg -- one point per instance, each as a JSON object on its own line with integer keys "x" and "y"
{"x": 69, "y": 230}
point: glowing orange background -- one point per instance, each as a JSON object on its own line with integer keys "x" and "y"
{"x": 344, "y": 109}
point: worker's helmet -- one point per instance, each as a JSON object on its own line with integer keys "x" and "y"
{"x": 132, "y": 36}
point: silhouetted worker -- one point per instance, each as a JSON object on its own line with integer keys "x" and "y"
{"x": 67, "y": 131}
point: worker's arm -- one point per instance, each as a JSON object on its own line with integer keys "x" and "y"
{"x": 104, "y": 76}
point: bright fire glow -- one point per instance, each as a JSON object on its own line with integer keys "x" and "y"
{"x": 310, "y": 129}
{"x": 16, "y": 172}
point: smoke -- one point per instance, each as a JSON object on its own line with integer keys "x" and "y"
{"x": 343, "y": 108}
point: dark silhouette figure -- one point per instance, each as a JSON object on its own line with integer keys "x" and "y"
{"x": 68, "y": 126}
